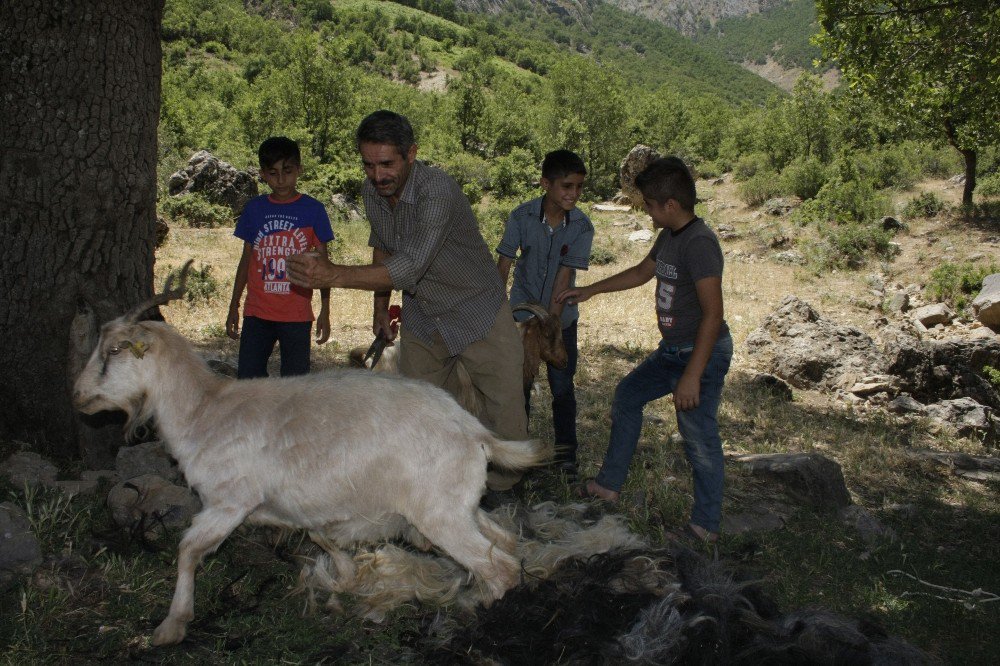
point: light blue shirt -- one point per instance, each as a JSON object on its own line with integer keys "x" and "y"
{"x": 539, "y": 251}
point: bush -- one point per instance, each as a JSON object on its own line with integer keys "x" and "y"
{"x": 196, "y": 211}
{"x": 887, "y": 167}
{"x": 492, "y": 217}
{"x": 992, "y": 375}
{"x": 926, "y": 204}
{"x": 467, "y": 169}
{"x": 804, "y": 177}
{"x": 851, "y": 245}
{"x": 759, "y": 188}
{"x": 989, "y": 186}
{"x": 958, "y": 283}
{"x": 839, "y": 202}
{"x": 749, "y": 165}
{"x": 601, "y": 256}
{"x": 514, "y": 175}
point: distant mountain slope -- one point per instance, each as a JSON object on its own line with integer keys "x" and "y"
{"x": 692, "y": 17}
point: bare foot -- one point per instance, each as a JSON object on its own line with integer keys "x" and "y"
{"x": 592, "y": 488}
{"x": 703, "y": 534}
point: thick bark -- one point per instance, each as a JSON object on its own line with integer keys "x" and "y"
{"x": 81, "y": 82}
{"x": 970, "y": 176}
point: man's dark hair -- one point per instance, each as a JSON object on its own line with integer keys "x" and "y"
{"x": 667, "y": 178}
{"x": 386, "y": 127}
{"x": 277, "y": 148}
{"x": 562, "y": 163}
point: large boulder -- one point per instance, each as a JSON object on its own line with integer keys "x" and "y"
{"x": 150, "y": 505}
{"x": 967, "y": 417}
{"x": 986, "y": 305}
{"x": 810, "y": 478}
{"x": 146, "y": 458}
{"x": 218, "y": 181}
{"x": 637, "y": 159}
{"x": 798, "y": 345}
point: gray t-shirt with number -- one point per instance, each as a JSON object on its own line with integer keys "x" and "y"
{"x": 682, "y": 258}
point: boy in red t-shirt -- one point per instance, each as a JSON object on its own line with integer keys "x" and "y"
{"x": 274, "y": 227}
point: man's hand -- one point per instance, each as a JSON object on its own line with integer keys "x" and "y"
{"x": 688, "y": 392}
{"x": 311, "y": 269}
{"x": 382, "y": 325}
{"x": 573, "y": 296}
{"x": 233, "y": 322}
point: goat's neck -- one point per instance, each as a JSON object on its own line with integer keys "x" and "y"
{"x": 180, "y": 395}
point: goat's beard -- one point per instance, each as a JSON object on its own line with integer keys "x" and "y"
{"x": 138, "y": 415}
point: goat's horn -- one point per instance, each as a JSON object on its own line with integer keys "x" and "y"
{"x": 168, "y": 294}
{"x": 534, "y": 308}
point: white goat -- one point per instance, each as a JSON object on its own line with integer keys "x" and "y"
{"x": 347, "y": 455}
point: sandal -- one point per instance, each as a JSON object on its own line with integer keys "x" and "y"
{"x": 586, "y": 490}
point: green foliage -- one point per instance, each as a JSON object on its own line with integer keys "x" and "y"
{"x": 196, "y": 211}
{"x": 750, "y": 164}
{"x": 602, "y": 256}
{"x": 958, "y": 283}
{"x": 492, "y": 215}
{"x": 844, "y": 202}
{"x": 201, "y": 285}
{"x": 514, "y": 175}
{"x": 992, "y": 376}
{"x": 851, "y": 245}
{"x": 759, "y": 188}
{"x": 804, "y": 177}
{"x": 925, "y": 204}
{"x": 989, "y": 186}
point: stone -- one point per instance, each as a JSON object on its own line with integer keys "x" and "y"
{"x": 641, "y": 236}
{"x": 162, "y": 231}
{"x": 152, "y": 505}
{"x": 899, "y": 302}
{"x": 873, "y": 384}
{"x": 905, "y": 404}
{"x": 146, "y": 458}
{"x": 217, "y": 181}
{"x": 986, "y": 306}
{"x": 28, "y": 468}
{"x": 20, "y": 552}
{"x": 772, "y": 386}
{"x": 755, "y": 519}
{"x": 88, "y": 482}
{"x": 780, "y": 206}
{"x": 935, "y": 313}
{"x": 890, "y": 223}
{"x": 868, "y": 527}
{"x": 967, "y": 417}
{"x": 637, "y": 159}
{"x": 790, "y": 257}
{"x": 808, "y": 477}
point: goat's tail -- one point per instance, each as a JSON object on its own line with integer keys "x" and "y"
{"x": 518, "y": 455}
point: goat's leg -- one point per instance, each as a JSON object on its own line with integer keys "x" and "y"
{"x": 460, "y": 537}
{"x": 208, "y": 529}
{"x": 500, "y": 537}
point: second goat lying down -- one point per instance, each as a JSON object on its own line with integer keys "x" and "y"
{"x": 348, "y": 455}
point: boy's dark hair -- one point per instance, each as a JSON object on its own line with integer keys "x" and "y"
{"x": 277, "y": 148}
{"x": 667, "y": 178}
{"x": 386, "y": 127}
{"x": 562, "y": 163}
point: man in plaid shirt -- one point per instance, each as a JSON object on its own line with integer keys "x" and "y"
{"x": 426, "y": 243}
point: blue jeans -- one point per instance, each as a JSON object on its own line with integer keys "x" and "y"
{"x": 563, "y": 399}
{"x": 654, "y": 378}
{"x": 257, "y": 343}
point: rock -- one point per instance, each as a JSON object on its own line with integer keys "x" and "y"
{"x": 347, "y": 206}
{"x": 869, "y": 528}
{"x": 637, "y": 159}
{"x": 759, "y": 518}
{"x": 146, "y": 458}
{"x": 905, "y": 404}
{"x": 20, "y": 552}
{"x": 150, "y": 504}
{"x": 807, "y": 351}
{"x": 780, "y": 206}
{"x": 790, "y": 257}
{"x": 28, "y": 468}
{"x": 891, "y": 224}
{"x": 808, "y": 477}
{"x": 162, "y": 231}
{"x": 772, "y": 386}
{"x": 899, "y": 302}
{"x": 873, "y": 384}
{"x": 641, "y": 236}
{"x": 88, "y": 482}
{"x": 986, "y": 305}
{"x": 967, "y": 417}
{"x": 936, "y": 313}
{"x": 611, "y": 207}
{"x": 223, "y": 367}
{"x": 218, "y": 181}
{"x": 974, "y": 468}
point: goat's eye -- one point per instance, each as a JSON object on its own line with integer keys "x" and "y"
{"x": 114, "y": 350}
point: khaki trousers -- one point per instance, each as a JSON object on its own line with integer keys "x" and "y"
{"x": 494, "y": 366}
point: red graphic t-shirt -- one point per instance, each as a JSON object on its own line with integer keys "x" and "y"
{"x": 277, "y": 231}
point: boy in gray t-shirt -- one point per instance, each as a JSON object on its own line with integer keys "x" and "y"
{"x": 693, "y": 357}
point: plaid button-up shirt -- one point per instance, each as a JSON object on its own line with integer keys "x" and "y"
{"x": 439, "y": 259}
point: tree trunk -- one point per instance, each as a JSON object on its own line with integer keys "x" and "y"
{"x": 970, "y": 176}
{"x": 80, "y": 103}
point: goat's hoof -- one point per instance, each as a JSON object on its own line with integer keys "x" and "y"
{"x": 170, "y": 632}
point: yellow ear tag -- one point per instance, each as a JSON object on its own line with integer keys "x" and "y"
{"x": 138, "y": 349}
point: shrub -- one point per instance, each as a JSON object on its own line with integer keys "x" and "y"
{"x": 989, "y": 186}
{"x": 492, "y": 216}
{"x": 850, "y": 245}
{"x": 514, "y": 175}
{"x": 958, "y": 283}
{"x": 196, "y": 211}
{"x": 759, "y": 188}
{"x": 887, "y": 167}
{"x": 201, "y": 285}
{"x": 804, "y": 177}
{"x": 750, "y": 165}
{"x": 601, "y": 256}
{"x": 467, "y": 169}
{"x": 992, "y": 375}
{"x": 841, "y": 202}
{"x": 926, "y": 204}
